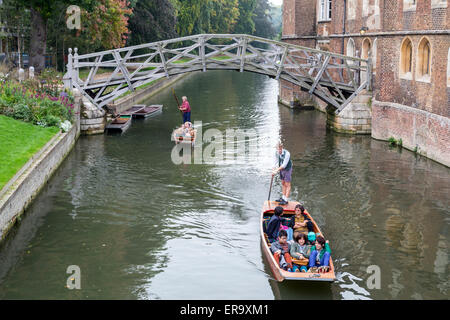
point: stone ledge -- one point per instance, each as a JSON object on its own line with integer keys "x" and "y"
{"x": 26, "y": 186}
{"x": 126, "y": 102}
{"x": 33, "y": 176}
{"x": 421, "y": 131}
{"x": 27, "y": 165}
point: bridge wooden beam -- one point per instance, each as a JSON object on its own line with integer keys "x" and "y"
{"x": 319, "y": 74}
{"x": 243, "y": 53}
{"x": 280, "y": 67}
{"x": 163, "y": 61}
{"x": 298, "y": 65}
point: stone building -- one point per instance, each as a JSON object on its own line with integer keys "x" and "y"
{"x": 408, "y": 41}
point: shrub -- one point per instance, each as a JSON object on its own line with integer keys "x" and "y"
{"x": 23, "y": 112}
{"x": 32, "y": 103}
{"x": 51, "y": 120}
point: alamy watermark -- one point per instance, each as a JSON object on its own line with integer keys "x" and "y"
{"x": 74, "y": 280}
{"x": 73, "y": 20}
{"x": 217, "y": 147}
{"x": 374, "y": 280}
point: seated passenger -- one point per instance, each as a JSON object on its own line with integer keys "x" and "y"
{"x": 179, "y": 132}
{"x": 320, "y": 256}
{"x": 300, "y": 223}
{"x": 300, "y": 250}
{"x": 280, "y": 250}
{"x": 273, "y": 227}
{"x": 311, "y": 239}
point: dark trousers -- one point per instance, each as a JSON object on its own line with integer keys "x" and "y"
{"x": 186, "y": 117}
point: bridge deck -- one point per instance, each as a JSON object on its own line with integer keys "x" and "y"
{"x": 334, "y": 78}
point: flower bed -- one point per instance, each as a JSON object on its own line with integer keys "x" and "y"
{"x": 39, "y": 102}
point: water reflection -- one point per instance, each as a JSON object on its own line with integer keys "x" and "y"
{"x": 141, "y": 227}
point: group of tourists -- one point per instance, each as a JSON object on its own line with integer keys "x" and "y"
{"x": 295, "y": 238}
{"x": 185, "y": 131}
{"x": 295, "y": 246}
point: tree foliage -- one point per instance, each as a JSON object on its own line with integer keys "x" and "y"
{"x": 152, "y": 20}
{"x": 107, "y": 24}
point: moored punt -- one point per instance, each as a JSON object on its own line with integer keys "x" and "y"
{"x": 132, "y": 110}
{"x": 278, "y": 273}
{"x": 121, "y": 123}
{"x": 147, "y": 111}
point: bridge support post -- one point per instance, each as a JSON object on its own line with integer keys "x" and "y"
{"x": 356, "y": 118}
{"x": 67, "y": 79}
{"x": 92, "y": 119}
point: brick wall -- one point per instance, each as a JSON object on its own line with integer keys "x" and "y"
{"x": 382, "y": 16}
{"x": 420, "y": 131}
{"x": 299, "y": 18}
{"x": 428, "y": 96}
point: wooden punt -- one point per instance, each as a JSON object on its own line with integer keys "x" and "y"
{"x": 121, "y": 123}
{"x": 189, "y": 140}
{"x": 132, "y": 110}
{"x": 278, "y": 273}
{"x": 147, "y": 111}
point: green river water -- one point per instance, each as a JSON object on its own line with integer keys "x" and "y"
{"x": 141, "y": 227}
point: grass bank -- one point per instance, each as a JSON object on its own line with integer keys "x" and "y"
{"x": 19, "y": 142}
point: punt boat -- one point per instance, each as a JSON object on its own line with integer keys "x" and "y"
{"x": 278, "y": 273}
{"x": 132, "y": 110}
{"x": 184, "y": 139}
{"x": 147, "y": 111}
{"x": 120, "y": 123}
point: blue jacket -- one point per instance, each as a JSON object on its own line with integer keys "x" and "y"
{"x": 273, "y": 227}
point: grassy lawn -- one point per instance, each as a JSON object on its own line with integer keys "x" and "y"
{"x": 18, "y": 142}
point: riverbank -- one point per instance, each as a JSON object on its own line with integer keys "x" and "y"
{"x": 23, "y": 187}
{"x": 421, "y": 132}
{"x": 94, "y": 121}
{"x": 20, "y": 141}
{"x": 138, "y": 96}
{"x": 29, "y": 177}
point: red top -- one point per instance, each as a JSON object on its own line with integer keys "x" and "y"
{"x": 186, "y": 105}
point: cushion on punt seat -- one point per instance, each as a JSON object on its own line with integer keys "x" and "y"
{"x": 300, "y": 262}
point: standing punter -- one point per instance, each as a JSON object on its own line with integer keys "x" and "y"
{"x": 186, "y": 108}
{"x": 284, "y": 163}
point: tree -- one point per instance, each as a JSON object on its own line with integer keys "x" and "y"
{"x": 245, "y": 23}
{"x": 15, "y": 20}
{"x": 104, "y": 22}
{"x": 151, "y": 21}
{"x": 193, "y": 16}
{"x": 263, "y": 20}
{"x": 224, "y": 16}
{"x": 107, "y": 23}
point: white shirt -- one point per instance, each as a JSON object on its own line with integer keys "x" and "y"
{"x": 287, "y": 157}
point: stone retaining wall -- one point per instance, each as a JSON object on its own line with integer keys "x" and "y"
{"x": 94, "y": 120}
{"x": 17, "y": 195}
{"x": 421, "y": 131}
{"x": 126, "y": 102}
{"x": 356, "y": 118}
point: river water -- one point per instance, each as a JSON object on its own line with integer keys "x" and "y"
{"x": 141, "y": 227}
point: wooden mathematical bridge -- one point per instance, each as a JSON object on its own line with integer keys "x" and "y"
{"x": 104, "y": 76}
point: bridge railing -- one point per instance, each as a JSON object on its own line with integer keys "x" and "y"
{"x": 107, "y": 75}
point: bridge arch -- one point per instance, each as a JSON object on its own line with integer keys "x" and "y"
{"x": 333, "y": 78}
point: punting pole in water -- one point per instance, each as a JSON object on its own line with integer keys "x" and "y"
{"x": 178, "y": 102}
{"x": 270, "y": 190}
